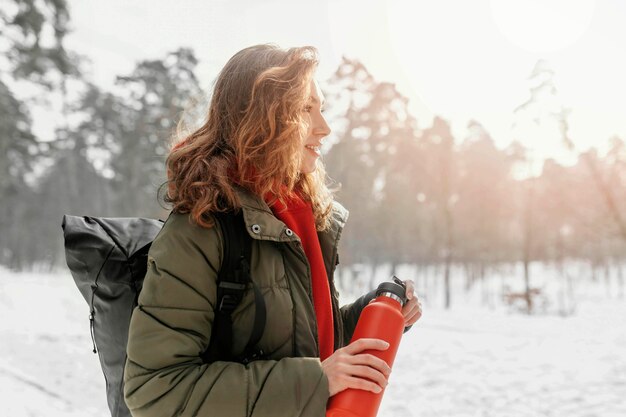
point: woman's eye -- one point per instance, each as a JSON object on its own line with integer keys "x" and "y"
{"x": 308, "y": 108}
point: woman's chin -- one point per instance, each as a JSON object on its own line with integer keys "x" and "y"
{"x": 308, "y": 169}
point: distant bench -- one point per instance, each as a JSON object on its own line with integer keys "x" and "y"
{"x": 519, "y": 299}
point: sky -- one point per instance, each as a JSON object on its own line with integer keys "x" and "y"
{"x": 460, "y": 60}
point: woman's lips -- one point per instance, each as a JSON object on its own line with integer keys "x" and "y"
{"x": 314, "y": 149}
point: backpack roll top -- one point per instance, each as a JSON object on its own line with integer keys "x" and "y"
{"x": 107, "y": 253}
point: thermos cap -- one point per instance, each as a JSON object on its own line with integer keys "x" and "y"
{"x": 391, "y": 287}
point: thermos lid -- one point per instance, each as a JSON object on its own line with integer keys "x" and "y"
{"x": 394, "y": 288}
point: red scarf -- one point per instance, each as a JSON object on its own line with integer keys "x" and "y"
{"x": 298, "y": 216}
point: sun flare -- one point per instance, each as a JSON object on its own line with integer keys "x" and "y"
{"x": 541, "y": 26}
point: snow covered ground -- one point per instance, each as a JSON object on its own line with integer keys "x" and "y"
{"x": 466, "y": 362}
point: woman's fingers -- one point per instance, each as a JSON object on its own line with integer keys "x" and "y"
{"x": 371, "y": 361}
{"x": 413, "y": 315}
{"x": 364, "y": 384}
{"x": 412, "y": 310}
{"x": 363, "y": 371}
{"x": 360, "y": 345}
{"x": 410, "y": 289}
{"x": 409, "y": 306}
{"x": 349, "y": 367}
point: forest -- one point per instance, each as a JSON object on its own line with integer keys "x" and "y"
{"x": 417, "y": 194}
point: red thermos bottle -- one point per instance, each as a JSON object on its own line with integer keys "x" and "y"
{"x": 381, "y": 319}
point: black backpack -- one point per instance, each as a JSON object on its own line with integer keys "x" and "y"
{"x": 108, "y": 261}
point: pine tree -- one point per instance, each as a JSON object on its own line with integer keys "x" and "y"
{"x": 158, "y": 93}
{"x": 18, "y": 151}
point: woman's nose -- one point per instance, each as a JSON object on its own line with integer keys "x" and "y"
{"x": 321, "y": 127}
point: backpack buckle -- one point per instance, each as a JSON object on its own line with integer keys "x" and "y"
{"x": 229, "y": 295}
{"x": 255, "y": 355}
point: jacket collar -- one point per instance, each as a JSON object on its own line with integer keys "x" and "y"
{"x": 260, "y": 221}
{"x": 262, "y": 224}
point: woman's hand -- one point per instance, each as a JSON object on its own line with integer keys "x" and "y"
{"x": 412, "y": 310}
{"x": 348, "y": 367}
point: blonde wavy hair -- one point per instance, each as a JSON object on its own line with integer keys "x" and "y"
{"x": 252, "y": 137}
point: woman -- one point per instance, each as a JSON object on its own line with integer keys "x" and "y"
{"x": 258, "y": 152}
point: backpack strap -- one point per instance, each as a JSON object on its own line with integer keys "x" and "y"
{"x": 233, "y": 278}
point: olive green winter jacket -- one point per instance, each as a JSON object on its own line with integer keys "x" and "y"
{"x": 171, "y": 327}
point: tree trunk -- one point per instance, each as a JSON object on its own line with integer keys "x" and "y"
{"x": 446, "y": 280}
{"x": 620, "y": 279}
{"x": 529, "y": 303}
{"x": 607, "y": 278}
{"x": 528, "y": 235}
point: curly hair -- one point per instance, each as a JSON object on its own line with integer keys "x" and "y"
{"x": 252, "y": 137}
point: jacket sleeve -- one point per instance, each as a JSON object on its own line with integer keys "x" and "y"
{"x": 171, "y": 327}
{"x": 350, "y": 314}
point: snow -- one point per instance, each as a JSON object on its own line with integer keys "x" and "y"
{"x": 47, "y": 367}
{"x": 476, "y": 359}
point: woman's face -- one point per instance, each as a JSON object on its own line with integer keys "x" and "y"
{"x": 317, "y": 129}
